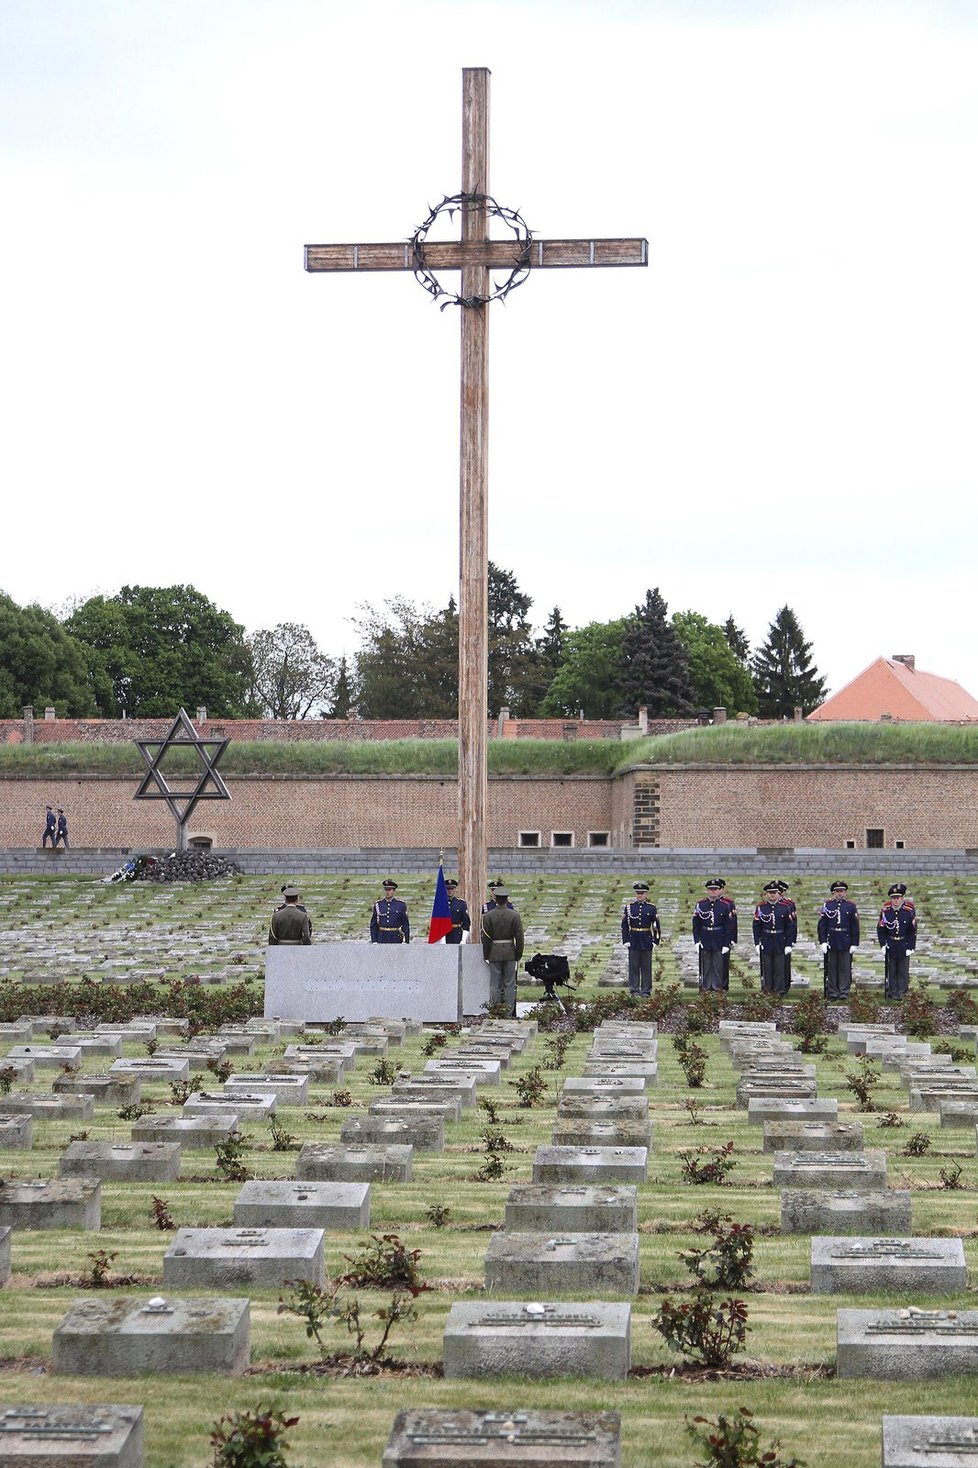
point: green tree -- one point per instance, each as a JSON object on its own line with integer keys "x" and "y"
{"x": 590, "y": 674}
{"x": 656, "y": 668}
{"x": 344, "y": 698}
{"x": 155, "y": 648}
{"x": 719, "y": 680}
{"x": 737, "y": 640}
{"x": 514, "y": 663}
{"x": 289, "y": 675}
{"x": 41, "y": 664}
{"x": 785, "y": 677}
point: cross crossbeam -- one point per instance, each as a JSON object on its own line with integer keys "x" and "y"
{"x": 495, "y": 254}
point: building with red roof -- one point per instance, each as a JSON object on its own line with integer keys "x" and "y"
{"x": 895, "y": 688}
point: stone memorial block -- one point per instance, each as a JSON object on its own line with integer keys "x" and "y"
{"x": 5, "y": 1237}
{"x": 16, "y": 1132}
{"x": 401, "y": 1108}
{"x": 508, "y": 1338}
{"x": 237, "y": 1044}
{"x": 893, "y": 1059}
{"x": 583, "y": 1086}
{"x": 645, "y": 1070}
{"x": 590, "y": 1164}
{"x": 287, "y": 1090}
{"x": 119, "y": 1336}
{"x": 782, "y": 1108}
{"x": 141, "y": 1031}
{"x": 906, "y": 1345}
{"x": 17, "y": 1030}
{"x": 326, "y": 1071}
{"x": 303, "y": 1205}
{"x": 436, "y": 1437}
{"x": 208, "y": 1258}
{"x": 438, "y": 982}
{"x": 52, "y": 1203}
{"x": 613, "y": 1047}
{"x": 959, "y": 1113}
{"x": 148, "y": 1068}
{"x": 396, "y": 1030}
{"x": 200, "y": 1057}
{"x": 93, "y": 1045}
{"x": 330, "y": 1162}
{"x": 424, "y": 1087}
{"x": 931, "y": 1097}
{"x": 197, "y": 1132}
{"x": 846, "y": 1211}
{"x": 580, "y": 1105}
{"x": 46, "y": 1057}
{"x": 485, "y": 1072}
{"x": 930, "y": 1442}
{"x": 777, "y": 1087}
{"x": 573, "y": 1263}
{"x": 245, "y": 1105}
{"x": 46, "y": 1103}
{"x": 867, "y": 1266}
{"x": 165, "y": 1025}
{"x": 561, "y": 1209}
{"x": 62, "y": 1436}
{"x": 813, "y": 1136}
{"x": 829, "y": 1170}
{"x": 143, "y": 1162}
{"x": 423, "y": 1133}
{"x": 730, "y": 1029}
{"x": 113, "y": 1090}
{"x": 639, "y": 1028}
{"x": 571, "y": 1131}
{"x": 23, "y": 1071}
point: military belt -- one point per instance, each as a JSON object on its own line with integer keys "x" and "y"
{"x": 390, "y": 930}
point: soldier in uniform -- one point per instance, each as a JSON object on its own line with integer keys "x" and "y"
{"x": 290, "y": 924}
{"x": 62, "y": 834}
{"x": 490, "y": 905}
{"x": 774, "y": 934}
{"x": 640, "y": 933}
{"x": 389, "y": 919}
{"x": 301, "y": 906}
{"x": 838, "y": 934}
{"x": 461, "y": 922}
{"x": 793, "y": 911}
{"x": 502, "y": 948}
{"x": 714, "y": 929}
{"x": 50, "y": 826}
{"x": 897, "y": 934}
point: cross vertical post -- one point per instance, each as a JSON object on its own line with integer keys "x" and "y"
{"x": 473, "y": 604}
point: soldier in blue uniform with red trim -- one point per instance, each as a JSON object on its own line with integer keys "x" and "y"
{"x": 897, "y": 934}
{"x": 490, "y": 905}
{"x": 775, "y": 928}
{"x": 714, "y": 929}
{"x": 389, "y": 920}
{"x": 640, "y": 932}
{"x": 838, "y": 934}
{"x": 459, "y": 910}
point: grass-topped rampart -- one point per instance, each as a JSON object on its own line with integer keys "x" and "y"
{"x": 734, "y": 744}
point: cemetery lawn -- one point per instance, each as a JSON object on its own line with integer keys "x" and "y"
{"x": 70, "y": 928}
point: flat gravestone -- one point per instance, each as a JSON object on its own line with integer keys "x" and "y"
{"x": 569, "y": 1131}
{"x": 122, "y": 1336}
{"x": 932, "y": 1098}
{"x": 959, "y": 1113}
{"x": 98, "y": 1436}
{"x": 782, "y": 1108}
{"x": 210, "y": 1258}
{"x": 52, "y": 1203}
{"x": 906, "y": 1345}
{"x": 866, "y": 1170}
{"x": 590, "y": 1164}
{"x": 5, "y": 1235}
{"x": 16, "y": 1133}
{"x": 930, "y": 1442}
{"x": 151, "y": 1069}
{"x": 508, "y": 1338}
{"x": 199, "y": 1132}
{"x": 460, "y": 1087}
{"x": 498, "y": 1052}
{"x": 603, "y": 1107}
{"x": 98, "y": 1044}
{"x": 602, "y": 1086}
{"x": 485, "y": 1072}
{"x": 646, "y": 1071}
{"x": 562, "y": 1209}
{"x": 401, "y": 1108}
{"x": 45, "y": 1104}
{"x": 813, "y": 1136}
{"x": 564, "y": 1264}
{"x": 775, "y": 1087}
{"x": 146, "y": 1162}
{"x": 423, "y": 1437}
{"x": 303, "y": 1205}
{"x": 117, "y": 1090}
{"x": 868, "y": 1266}
{"x": 423, "y": 1133}
{"x": 245, "y": 1105}
{"x": 47, "y": 1057}
{"x": 287, "y": 1090}
{"x": 846, "y": 1212}
{"x": 332, "y": 1162}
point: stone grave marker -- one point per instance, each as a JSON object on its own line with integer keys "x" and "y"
{"x": 16, "y": 1133}
{"x": 581, "y": 1105}
{"x": 423, "y": 1133}
{"x": 146, "y": 1162}
{"x": 568, "y": 1264}
{"x": 461, "y": 1088}
{"x": 75, "y": 1436}
{"x": 287, "y": 1090}
{"x": 509, "y": 1338}
{"x": 863, "y": 1266}
{"x": 846, "y": 1211}
{"x": 197, "y": 1132}
{"x": 959, "y": 1113}
{"x": 47, "y": 1104}
{"x": 148, "y": 1068}
{"x": 423, "y": 1437}
{"x": 402, "y": 1108}
{"x": 46, "y": 1057}
{"x": 485, "y": 1072}
{"x": 211, "y": 1258}
{"x": 245, "y": 1105}
{"x": 114, "y": 1090}
{"x": 647, "y": 1071}
{"x": 303, "y": 1205}
{"x": 330, "y": 1162}
{"x": 906, "y": 1345}
{"x": 930, "y": 1442}
{"x": 5, "y": 1237}
{"x": 813, "y": 1136}
{"x": 782, "y": 1108}
{"x": 560, "y": 1209}
{"x": 590, "y": 1164}
{"x": 829, "y": 1170}
{"x": 122, "y": 1336}
{"x": 44, "y": 1203}
{"x": 572, "y": 1131}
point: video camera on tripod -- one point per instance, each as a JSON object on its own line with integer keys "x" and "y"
{"x": 551, "y": 969}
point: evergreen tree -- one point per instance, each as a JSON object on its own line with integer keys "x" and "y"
{"x": 656, "y": 667}
{"x": 737, "y": 640}
{"x": 785, "y": 677}
{"x": 590, "y": 673}
{"x": 343, "y": 702}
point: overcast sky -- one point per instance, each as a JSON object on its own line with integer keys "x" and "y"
{"x": 781, "y": 408}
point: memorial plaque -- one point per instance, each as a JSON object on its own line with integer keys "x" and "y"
{"x": 460, "y": 1087}
{"x": 197, "y": 1132}
{"x": 602, "y": 1107}
{"x": 148, "y": 1162}
{"x": 866, "y": 1170}
{"x": 122, "y": 1336}
{"x": 46, "y": 1057}
{"x": 423, "y": 1437}
{"x": 646, "y": 1071}
{"x": 211, "y": 1258}
{"x": 570, "y": 1264}
{"x": 569, "y": 1131}
{"x": 332, "y": 1162}
{"x": 865, "y": 1266}
{"x": 62, "y": 1436}
{"x": 561, "y": 1209}
{"x": 303, "y": 1205}
{"x": 485, "y": 1072}
{"x": 781, "y": 1108}
{"x": 113, "y": 1090}
{"x": 46, "y": 1104}
{"x": 245, "y": 1105}
{"x": 287, "y": 1090}
{"x": 149, "y": 1069}
{"x": 590, "y": 1164}
{"x": 509, "y": 1338}
{"x": 906, "y": 1345}
{"x": 598, "y": 1086}
{"x": 423, "y": 1133}
{"x": 813, "y": 1136}
{"x": 930, "y": 1442}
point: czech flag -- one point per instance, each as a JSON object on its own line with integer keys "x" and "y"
{"x": 441, "y": 913}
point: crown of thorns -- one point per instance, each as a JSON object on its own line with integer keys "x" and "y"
{"x": 513, "y": 221}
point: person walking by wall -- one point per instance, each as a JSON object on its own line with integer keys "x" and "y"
{"x": 62, "y": 830}
{"x": 502, "y": 948}
{"x": 290, "y": 924}
{"x": 897, "y": 935}
{"x": 50, "y": 828}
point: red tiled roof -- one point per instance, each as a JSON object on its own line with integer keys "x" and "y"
{"x": 890, "y": 687}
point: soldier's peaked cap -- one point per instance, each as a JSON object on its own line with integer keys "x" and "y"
{"x": 781, "y": 885}
{"x": 771, "y": 887}
{"x": 839, "y": 887}
{"x": 501, "y": 890}
{"x": 388, "y": 883}
{"x": 290, "y": 891}
{"x": 640, "y": 886}
{"x": 716, "y": 882}
{"x": 897, "y": 890}
{"x": 450, "y": 882}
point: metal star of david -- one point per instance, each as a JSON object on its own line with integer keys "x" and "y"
{"x": 187, "y": 739}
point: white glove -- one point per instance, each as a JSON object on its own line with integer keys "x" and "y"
{"x": 724, "y": 950}
{"x": 697, "y": 945}
{"x": 825, "y": 948}
{"x": 757, "y": 947}
{"x": 788, "y": 949}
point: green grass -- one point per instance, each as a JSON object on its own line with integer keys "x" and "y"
{"x": 742, "y": 744}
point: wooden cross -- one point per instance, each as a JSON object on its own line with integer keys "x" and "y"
{"x": 475, "y": 255}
